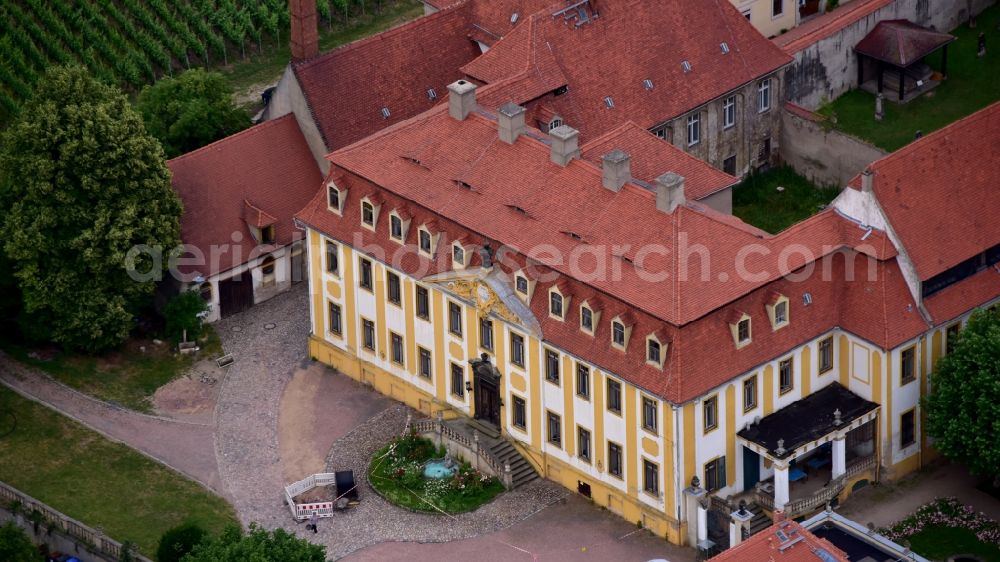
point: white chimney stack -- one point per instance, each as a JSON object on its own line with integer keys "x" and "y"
{"x": 461, "y": 99}
{"x": 511, "y": 122}
{"x": 565, "y": 144}
{"x": 670, "y": 192}
{"x": 616, "y": 169}
{"x": 867, "y": 178}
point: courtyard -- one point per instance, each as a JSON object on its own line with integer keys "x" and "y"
{"x": 972, "y": 84}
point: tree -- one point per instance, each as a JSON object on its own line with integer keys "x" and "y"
{"x": 15, "y": 546}
{"x": 258, "y": 545}
{"x": 963, "y": 409}
{"x": 183, "y": 313}
{"x": 190, "y": 111}
{"x": 81, "y": 185}
{"x": 177, "y": 542}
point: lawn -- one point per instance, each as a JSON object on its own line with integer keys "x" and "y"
{"x": 396, "y": 472}
{"x": 972, "y": 84}
{"x": 128, "y": 376}
{"x": 938, "y": 543}
{"x": 758, "y": 201}
{"x": 97, "y": 482}
{"x": 946, "y": 527}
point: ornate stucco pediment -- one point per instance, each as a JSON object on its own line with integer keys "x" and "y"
{"x": 492, "y": 294}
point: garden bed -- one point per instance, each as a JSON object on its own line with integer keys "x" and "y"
{"x": 944, "y": 528}
{"x": 397, "y": 474}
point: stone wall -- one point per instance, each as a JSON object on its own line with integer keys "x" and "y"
{"x": 827, "y": 68}
{"x": 822, "y": 154}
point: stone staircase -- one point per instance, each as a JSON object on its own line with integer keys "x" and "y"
{"x": 760, "y": 519}
{"x": 491, "y": 442}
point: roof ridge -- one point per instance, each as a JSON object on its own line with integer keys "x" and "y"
{"x": 251, "y": 130}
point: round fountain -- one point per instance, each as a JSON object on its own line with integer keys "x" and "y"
{"x": 440, "y": 468}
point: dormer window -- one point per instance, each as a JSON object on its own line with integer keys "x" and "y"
{"x": 777, "y": 311}
{"x": 655, "y": 351}
{"x": 523, "y": 286}
{"x": 335, "y": 198}
{"x": 396, "y": 227}
{"x": 618, "y": 336}
{"x": 555, "y": 122}
{"x": 587, "y": 318}
{"x": 267, "y": 234}
{"x": 426, "y": 240}
{"x": 739, "y": 324}
{"x": 457, "y": 255}
{"x": 369, "y": 214}
{"x": 555, "y": 303}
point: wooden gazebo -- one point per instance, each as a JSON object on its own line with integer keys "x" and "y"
{"x": 900, "y": 46}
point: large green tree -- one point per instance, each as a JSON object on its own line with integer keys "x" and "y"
{"x": 81, "y": 185}
{"x": 963, "y": 409}
{"x": 190, "y": 111}
{"x": 15, "y": 545}
{"x": 258, "y": 545}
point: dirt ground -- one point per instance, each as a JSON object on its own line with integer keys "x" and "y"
{"x": 191, "y": 397}
{"x": 318, "y": 408}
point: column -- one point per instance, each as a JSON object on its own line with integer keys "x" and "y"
{"x": 702, "y": 523}
{"x": 839, "y": 460}
{"x": 734, "y": 534}
{"x": 780, "y": 485}
{"x": 692, "y": 507}
{"x": 741, "y": 520}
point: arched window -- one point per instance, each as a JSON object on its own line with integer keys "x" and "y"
{"x": 267, "y": 270}
{"x": 205, "y": 289}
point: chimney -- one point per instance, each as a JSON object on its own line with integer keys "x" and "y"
{"x": 867, "y": 178}
{"x": 616, "y": 169}
{"x": 565, "y": 145}
{"x": 669, "y": 192}
{"x": 461, "y": 99}
{"x": 305, "y": 36}
{"x": 511, "y": 122}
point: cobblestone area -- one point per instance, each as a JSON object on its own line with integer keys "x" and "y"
{"x": 375, "y": 520}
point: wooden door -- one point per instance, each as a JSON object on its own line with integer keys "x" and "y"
{"x": 235, "y": 294}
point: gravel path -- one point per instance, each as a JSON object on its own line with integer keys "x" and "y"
{"x": 186, "y": 447}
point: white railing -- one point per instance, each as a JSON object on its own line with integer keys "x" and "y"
{"x": 819, "y": 498}
{"x": 92, "y": 538}
{"x": 304, "y": 510}
{"x": 438, "y": 427}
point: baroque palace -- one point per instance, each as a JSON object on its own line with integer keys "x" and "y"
{"x": 654, "y": 354}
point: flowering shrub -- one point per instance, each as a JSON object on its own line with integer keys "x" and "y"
{"x": 945, "y": 512}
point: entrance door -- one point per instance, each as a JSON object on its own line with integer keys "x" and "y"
{"x": 299, "y": 268}
{"x": 751, "y": 469}
{"x": 488, "y": 403}
{"x": 235, "y": 294}
{"x": 808, "y": 8}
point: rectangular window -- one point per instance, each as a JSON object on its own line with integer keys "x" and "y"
{"x": 951, "y": 336}
{"x": 368, "y": 213}
{"x": 650, "y": 477}
{"x": 396, "y": 341}
{"x": 777, "y": 7}
{"x": 556, "y": 304}
{"x": 583, "y": 443}
{"x": 653, "y": 351}
{"x": 907, "y": 429}
{"x": 694, "y": 129}
{"x": 521, "y": 284}
{"x": 555, "y": 429}
{"x": 458, "y": 254}
{"x": 332, "y": 258}
{"x": 908, "y": 360}
{"x": 336, "y": 325}
{"x": 583, "y": 381}
{"x": 715, "y": 474}
{"x": 743, "y": 330}
{"x": 649, "y": 416}
{"x": 423, "y": 303}
{"x": 780, "y": 313}
{"x": 826, "y": 355}
{"x": 368, "y": 334}
{"x": 365, "y": 279}
{"x": 426, "y": 365}
{"x": 393, "y": 288}
{"x": 710, "y": 413}
{"x": 614, "y": 459}
{"x": 729, "y": 112}
{"x": 614, "y": 396}
{"x": 729, "y": 165}
{"x": 333, "y": 198}
{"x": 618, "y": 333}
{"x": 455, "y": 319}
{"x": 457, "y": 380}
{"x": 551, "y": 366}
{"x": 520, "y": 413}
{"x": 486, "y": 333}
{"x": 267, "y": 235}
{"x": 396, "y": 227}
{"x": 517, "y": 349}
{"x": 750, "y": 393}
{"x": 786, "y": 378}
{"x": 764, "y": 95}
{"x": 425, "y": 241}
{"x": 587, "y": 319}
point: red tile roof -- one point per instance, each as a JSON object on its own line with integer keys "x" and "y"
{"x": 347, "y": 88}
{"x": 257, "y": 217}
{"x": 632, "y": 41}
{"x": 267, "y": 167}
{"x": 652, "y": 157}
{"x": 901, "y": 42}
{"x": 654, "y": 268}
{"x": 954, "y": 301}
{"x": 828, "y": 24}
{"x": 786, "y": 541}
{"x": 941, "y": 193}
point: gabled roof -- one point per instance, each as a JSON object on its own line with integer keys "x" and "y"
{"x": 941, "y": 193}
{"x": 627, "y": 43}
{"x": 827, "y": 24}
{"x": 785, "y": 541}
{"x": 269, "y": 165}
{"x": 347, "y": 88}
{"x": 901, "y": 42}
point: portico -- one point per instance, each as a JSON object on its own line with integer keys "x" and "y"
{"x": 813, "y": 446}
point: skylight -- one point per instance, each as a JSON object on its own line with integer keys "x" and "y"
{"x": 431, "y": 94}
{"x": 513, "y": 18}
{"x": 385, "y": 113}
{"x": 610, "y": 103}
{"x": 725, "y": 48}
{"x": 686, "y": 66}
{"x": 648, "y": 84}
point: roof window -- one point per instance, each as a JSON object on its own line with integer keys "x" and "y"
{"x": 648, "y": 84}
{"x": 431, "y": 94}
{"x": 686, "y": 66}
{"x": 385, "y": 113}
{"x": 610, "y": 103}
{"x": 725, "y": 47}
{"x": 513, "y": 18}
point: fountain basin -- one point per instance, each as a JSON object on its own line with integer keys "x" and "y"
{"x": 440, "y": 468}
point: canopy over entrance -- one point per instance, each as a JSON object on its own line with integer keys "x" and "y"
{"x": 832, "y": 409}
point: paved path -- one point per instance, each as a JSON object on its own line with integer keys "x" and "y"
{"x": 185, "y": 447}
